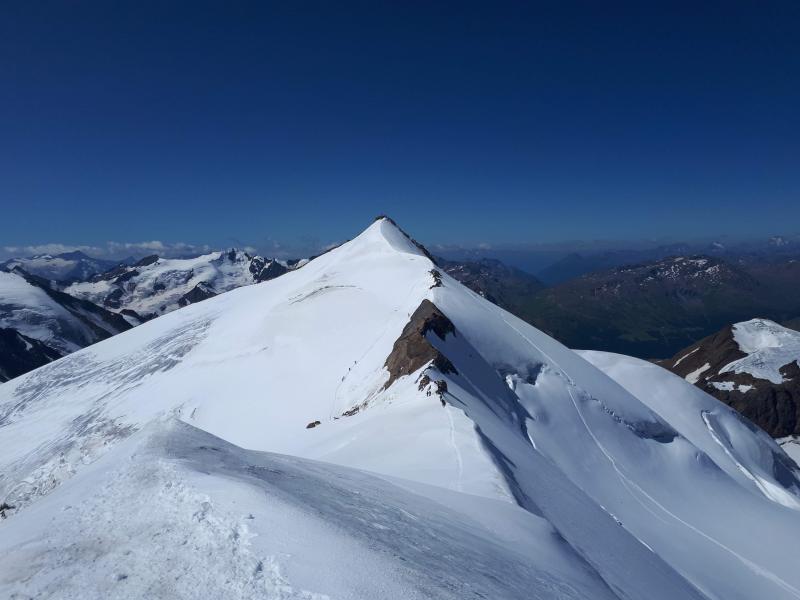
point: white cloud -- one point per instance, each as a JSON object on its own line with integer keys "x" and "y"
{"x": 109, "y": 250}
{"x": 48, "y": 249}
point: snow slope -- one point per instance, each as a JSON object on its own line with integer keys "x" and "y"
{"x": 646, "y": 502}
{"x": 226, "y": 522}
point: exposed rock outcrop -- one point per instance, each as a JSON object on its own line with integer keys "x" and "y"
{"x": 198, "y": 293}
{"x": 21, "y": 354}
{"x": 412, "y": 350}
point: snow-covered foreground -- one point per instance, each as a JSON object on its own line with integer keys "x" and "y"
{"x": 191, "y": 516}
{"x": 503, "y": 464}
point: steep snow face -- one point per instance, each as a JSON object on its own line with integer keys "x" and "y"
{"x": 769, "y": 347}
{"x": 655, "y": 506}
{"x": 156, "y": 286}
{"x": 29, "y": 310}
{"x": 60, "y": 322}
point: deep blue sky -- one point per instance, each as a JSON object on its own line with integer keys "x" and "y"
{"x": 488, "y": 122}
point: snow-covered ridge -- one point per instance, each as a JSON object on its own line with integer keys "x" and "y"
{"x": 769, "y": 348}
{"x": 636, "y": 495}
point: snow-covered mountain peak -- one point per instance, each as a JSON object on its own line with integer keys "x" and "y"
{"x": 385, "y": 235}
{"x": 370, "y": 357}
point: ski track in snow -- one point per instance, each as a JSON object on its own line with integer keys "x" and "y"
{"x": 456, "y": 451}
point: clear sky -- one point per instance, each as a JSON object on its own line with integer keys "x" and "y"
{"x": 468, "y": 122}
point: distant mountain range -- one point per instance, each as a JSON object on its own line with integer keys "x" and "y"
{"x": 497, "y": 282}
{"x": 43, "y": 317}
{"x": 650, "y": 309}
{"x": 154, "y": 286}
{"x": 653, "y": 309}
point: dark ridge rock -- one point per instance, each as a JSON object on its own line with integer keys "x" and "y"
{"x": 441, "y": 390}
{"x": 775, "y": 408}
{"x": 147, "y": 260}
{"x": 412, "y": 350}
{"x": 113, "y": 299}
{"x": 198, "y": 293}
{"x": 126, "y": 276}
{"x": 422, "y": 248}
{"x": 313, "y": 424}
{"x": 272, "y": 270}
{"x": 424, "y": 381}
{"x": 132, "y": 313}
{"x": 352, "y": 411}
{"x": 159, "y": 286}
{"x": 20, "y": 354}
{"x": 111, "y": 273}
{"x": 256, "y": 265}
{"x": 437, "y": 278}
{"x": 718, "y": 349}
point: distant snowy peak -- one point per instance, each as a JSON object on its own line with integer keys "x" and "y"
{"x": 155, "y": 286}
{"x": 684, "y": 269}
{"x": 61, "y": 267}
{"x": 752, "y": 366}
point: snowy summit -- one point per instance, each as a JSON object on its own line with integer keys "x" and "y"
{"x": 367, "y": 427}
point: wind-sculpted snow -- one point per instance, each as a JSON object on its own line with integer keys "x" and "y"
{"x": 216, "y": 521}
{"x": 637, "y": 494}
